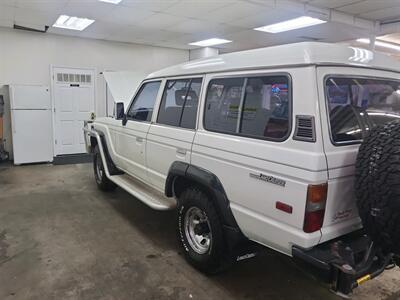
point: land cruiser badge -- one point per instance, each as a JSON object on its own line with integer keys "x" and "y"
{"x": 268, "y": 178}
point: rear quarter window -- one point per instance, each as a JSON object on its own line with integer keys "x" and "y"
{"x": 357, "y": 104}
{"x": 257, "y": 107}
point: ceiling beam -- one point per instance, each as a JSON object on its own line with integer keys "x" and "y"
{"x": 332, "y": 15}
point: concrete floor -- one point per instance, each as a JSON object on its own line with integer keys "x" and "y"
{"x": 61, "y": 238}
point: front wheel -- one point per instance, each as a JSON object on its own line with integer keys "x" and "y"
{"x": 200, "y": 232}
{"x": 103, "y": 183}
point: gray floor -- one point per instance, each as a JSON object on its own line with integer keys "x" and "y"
{"x": 61, "y": 238}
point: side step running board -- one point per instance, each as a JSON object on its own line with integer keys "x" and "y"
{"x": 140, "y": 190}
{"x": 136, "y": 188}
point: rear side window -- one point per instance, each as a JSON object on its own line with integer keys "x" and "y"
{"x": 358, "y": 104}
{"x": 250, "y": 106}
{"x": 179, "y": 103}
{"x": 142, "y": 106}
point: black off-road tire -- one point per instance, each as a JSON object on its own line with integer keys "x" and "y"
{"x": 377, "y": 185}
{"x": 216, "y": 259}
{"x": 103, "y": 183}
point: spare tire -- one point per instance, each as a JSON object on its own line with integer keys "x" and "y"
{"x": 377, "y": 185}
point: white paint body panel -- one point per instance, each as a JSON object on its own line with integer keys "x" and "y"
{"x": 166, "y": 144}
{"x": 130, "y": 142}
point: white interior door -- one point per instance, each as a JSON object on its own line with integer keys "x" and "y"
{"x": 73, "y": 103}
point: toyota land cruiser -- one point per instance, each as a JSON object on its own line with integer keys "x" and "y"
{"x": 262, "y": 146}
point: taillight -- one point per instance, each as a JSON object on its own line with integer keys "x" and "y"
{"x": 315, "y": 207}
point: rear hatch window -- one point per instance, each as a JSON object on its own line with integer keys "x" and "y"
{"x": 357, "y": 104}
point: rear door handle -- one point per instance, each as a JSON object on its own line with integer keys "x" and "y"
{"x": 139, "y": 139}
{"x": 181, "y": 151}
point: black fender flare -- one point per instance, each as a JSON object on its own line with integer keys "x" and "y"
{"x": 213, "y": 187}
{"x": 112, "y": 168}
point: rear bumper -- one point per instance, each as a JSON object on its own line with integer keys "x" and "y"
{"x": 346, "y": 262}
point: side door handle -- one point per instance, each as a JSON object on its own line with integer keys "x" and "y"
{"x": 139, "y": 139}
{"x": 181, "y": 151}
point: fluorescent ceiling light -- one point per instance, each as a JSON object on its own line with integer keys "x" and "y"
{"x": 111, "y": 1}
{"x": 210, "y": 42}
{"x": 73, "y": 23}
{"x": 292, "y": 24}
{"x": 380, "y": 44}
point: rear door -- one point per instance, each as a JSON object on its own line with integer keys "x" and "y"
{"x": 343, "y": 93}
{"x": 170, "y": 138}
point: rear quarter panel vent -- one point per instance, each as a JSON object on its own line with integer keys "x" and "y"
{"x": 305, "y": 129}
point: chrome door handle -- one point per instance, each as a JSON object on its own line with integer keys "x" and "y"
{"x": 181, "y": 151}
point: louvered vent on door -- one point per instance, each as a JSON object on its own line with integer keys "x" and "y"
{"x": 305, "y": 129}
{"x": 74, "y": 78}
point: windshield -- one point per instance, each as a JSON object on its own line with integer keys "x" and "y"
{"x": 357, "y": 104}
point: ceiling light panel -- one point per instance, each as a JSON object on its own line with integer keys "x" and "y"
{"x": 210, "y": 42}
{"x": 111, "y": 1}
{"x": 73, "y": 23}
{"x": 292, "y": 24}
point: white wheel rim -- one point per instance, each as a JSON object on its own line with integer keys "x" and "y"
{"x": 198, "y": 230}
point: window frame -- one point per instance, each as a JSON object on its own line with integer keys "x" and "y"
{"x": 190, "y": 78}
{"x": 247, "y": 76}
{"x": 326, "y": 101}
{"x": 139, "y": 89}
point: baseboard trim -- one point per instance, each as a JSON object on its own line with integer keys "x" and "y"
{"x": 82, "y": 158}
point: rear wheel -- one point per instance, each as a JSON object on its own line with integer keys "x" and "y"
{"x": 103, "y": 183}
{"x": 200, "y": 232}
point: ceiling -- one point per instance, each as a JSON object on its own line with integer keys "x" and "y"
{"x": 175, "y": 23}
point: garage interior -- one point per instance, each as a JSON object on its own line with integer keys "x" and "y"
{"x": 62, "y": 238}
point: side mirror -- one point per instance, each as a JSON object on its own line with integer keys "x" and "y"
{"x": 119, "y": 111}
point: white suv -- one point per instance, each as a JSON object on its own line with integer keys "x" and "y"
{"x": 258, "y": 146}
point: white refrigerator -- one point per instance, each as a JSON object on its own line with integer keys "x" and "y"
{"x": 31, "y": 122}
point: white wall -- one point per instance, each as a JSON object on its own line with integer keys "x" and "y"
{"x": 25, "y": 58}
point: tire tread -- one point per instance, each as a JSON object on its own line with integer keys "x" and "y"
{"x": 377, "y": 185}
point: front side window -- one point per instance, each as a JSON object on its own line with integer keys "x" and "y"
{"x": 179, "y": 103}
{"x": 358, "y": 104}
{"x": 142, "y": 107}
{"x": 250, "y": 106}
